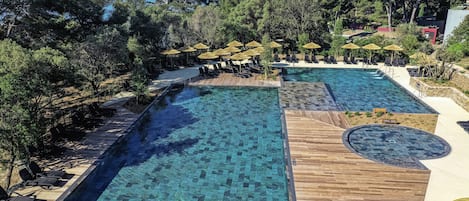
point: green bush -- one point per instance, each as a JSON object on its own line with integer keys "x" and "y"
{"x": 390, "y": 114}
{"x": 379, "y": 114}
{"x": 368, "y": 114}
{"x": 357, "y": 114}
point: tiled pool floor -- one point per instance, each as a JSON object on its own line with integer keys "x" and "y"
{"x": 306, "y": 96}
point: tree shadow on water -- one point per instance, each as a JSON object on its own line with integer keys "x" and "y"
{"x": 145, "y": 141}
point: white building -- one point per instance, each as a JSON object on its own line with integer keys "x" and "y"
{"x": 454, "y": 18}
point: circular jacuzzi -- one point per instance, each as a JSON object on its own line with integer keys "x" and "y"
{"x": 395, "y": 145}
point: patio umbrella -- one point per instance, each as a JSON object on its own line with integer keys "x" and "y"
{"x": 350, "y": 46}
{"x": 393, "y": 48}
{"x": 207, "y": 56}
{"x": 232, "y": 49}
{"x": 188, "y": 51}
{"x": 221, "y": 52}
{"x": 371, "y": 47}
{"x": 234, "y": 43}
{"x": 311, "y": 46}
{"x": 251, "y": 52}
{"x": 253, "y": 44}
{"x": 201, "y": 46}
{"x": 274, "y": 44}
{"x": 259, "y": 49}
{"x": 170, "y": 53}
{"x": 239, "y": 57}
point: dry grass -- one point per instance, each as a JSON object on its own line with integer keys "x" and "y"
{"x": 464, "y": 63}
{"x": 426, "y": 122}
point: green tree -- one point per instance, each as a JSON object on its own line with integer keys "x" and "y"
{"x": 460, "y": 37}
{"x": 205, "y": 23}
{"x": 266, "y": 56}
{"x": 302, "y": 40}
{"x": 337, "y": 40}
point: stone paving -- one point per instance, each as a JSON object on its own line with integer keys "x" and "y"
{"x": 306, "y": 96}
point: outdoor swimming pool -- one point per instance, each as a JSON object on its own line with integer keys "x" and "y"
{"x": 198, "y": 143}
{"x": 361, "y": 89}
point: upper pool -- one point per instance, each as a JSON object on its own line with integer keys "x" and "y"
{"x": 361, "y": 89}
{"x": 198, "y": 143}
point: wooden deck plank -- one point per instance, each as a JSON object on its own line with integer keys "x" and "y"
{"x": 324, "y": 169}
{"x": 228, "y": 79}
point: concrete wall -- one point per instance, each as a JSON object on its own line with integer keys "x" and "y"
{"x": 457, "y": 96}
{"x": 454, "y": 18}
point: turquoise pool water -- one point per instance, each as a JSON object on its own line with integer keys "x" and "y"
{"x": 361, "y": 89}
{"x": 198, "y": 143}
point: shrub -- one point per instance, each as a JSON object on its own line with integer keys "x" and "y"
{"x": 368, "y": 114}
{"x": 379, "y": 114}
{"x": 357, "y": 114}
{"x": 390, "y": 114}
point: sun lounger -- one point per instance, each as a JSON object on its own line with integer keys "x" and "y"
{"x": 402, "y": 62}
{"x": 38, "y": 172}
{"x": 326, "y": 59}
{"x": 30, "y": 180}
{"x": 4, "y": 196}
{"x": 352, "y": 60}
{"x": 387, "y": 61}
{"x": 288, "y": 58}
{"x": 307, "y": 60}
{"x": 395, "y": 62}
{"x": 294, "y": 59}
{"x": 373, "y": 61}
{"x": 333, "y": 60}
{"x": 276, "y": 58}
{"x": 346, "y": 60}
{"x": 314, "y": 59}
{"x": 390, "y": 121}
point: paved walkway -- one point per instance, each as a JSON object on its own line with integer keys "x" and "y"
{"x": 449, "y": 178}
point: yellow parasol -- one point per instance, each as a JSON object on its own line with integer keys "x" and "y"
{"x": 188, "y": 50}
{"x": 239, "y": 57}
{"x": 221, "y": 52}
{"x": 274, "y": 44}
{"x": 232, "y": 49}
{"x": 207, "y": 56}
{"x": 253, "y": 44}
{"x": 393, "y": 48}
{"x": 311, "y": 45}
{"x": 350, "y": 46}
{"x": 201, "y": 46}
{"x": 259, "y": 49}
{"x": 170, "y": 52}
{"x": 251, "y": 52}
{"x": 234, "y": 43}
{"x": 370, "y": 47}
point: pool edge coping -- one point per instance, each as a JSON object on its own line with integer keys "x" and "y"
{"x": 345, "y": 142}
{"x": 97, "y": 161}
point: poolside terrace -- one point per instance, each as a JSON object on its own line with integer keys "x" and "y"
{"x": 323, "y": 168}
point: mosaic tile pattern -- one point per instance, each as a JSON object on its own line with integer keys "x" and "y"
{"x": 361, "y": 89}
{"x": 395, "y": 145}
{"x": 199, "y": 144}
{"x": 306, "y": 96}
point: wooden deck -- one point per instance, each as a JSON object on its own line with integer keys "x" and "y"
{"x": 324, "y": 169}
{"x": 228, "y": 79}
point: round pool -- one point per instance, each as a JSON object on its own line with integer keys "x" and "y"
{"x": 395, "y": 145}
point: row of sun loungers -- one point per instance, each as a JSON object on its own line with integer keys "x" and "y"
{"x": 396, "y": 62}
{"x": 34, "y": 176}
{"x": 238, "y": 70}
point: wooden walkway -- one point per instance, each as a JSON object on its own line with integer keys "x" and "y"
{"x": 324, "y": 169}
{"x": 228, "y": 79}
{"x": 84, "y": 154}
